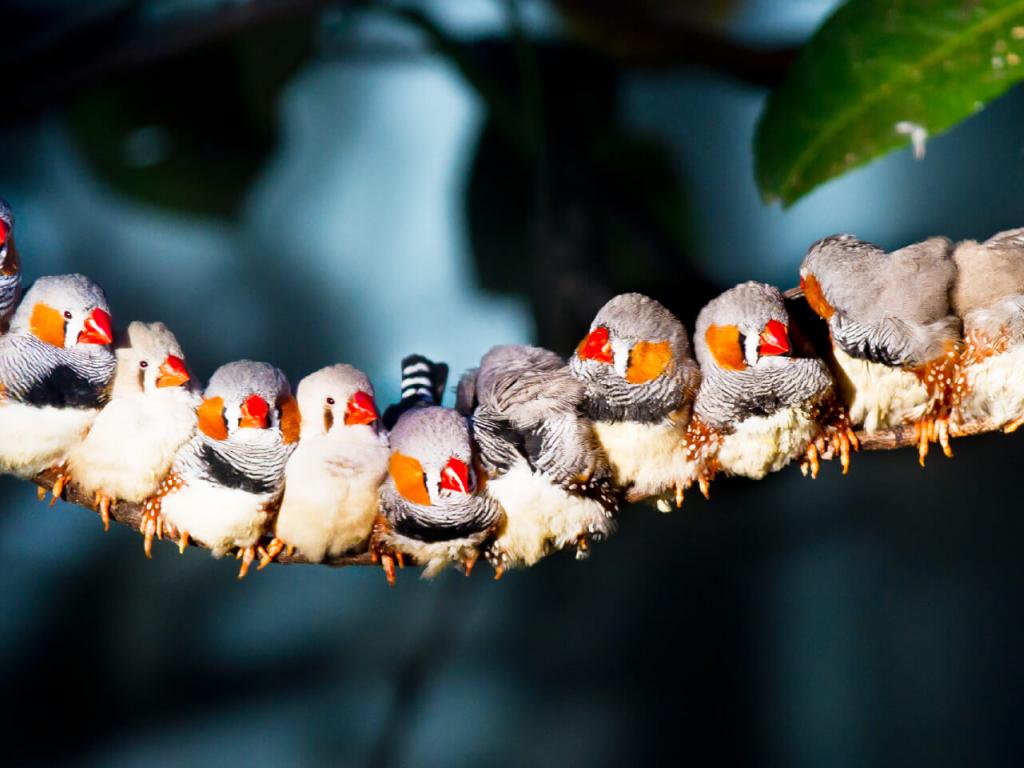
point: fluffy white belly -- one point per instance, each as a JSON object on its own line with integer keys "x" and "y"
{"x": 648, "y": 457}
{"x": 540, "y": 517}
{"x": 879, "y": 396}
{"x": 996, "y": 387}
{"x": 763, "y": 444}
{"x": 327, "y": 515}
{"x": 131, "y": 447}
{"x": 33, "y": 439}
{"x": 221, "y": 518}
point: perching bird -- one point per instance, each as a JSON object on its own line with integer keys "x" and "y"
{"x": 332, "y": 478}
{"x": 893, "y": 333}
{"x": 56, "y": 367}
{"x": 759, "y": 407}
{"x": 225, "y": 483}
{"x": 988, "y": 295}
{"x": 429, "y": 506}
{"x": 544, "y": 464}
{"x": 10, "y": 266}
{"x": 151, "y": 414}
{"x": 640, "y": 379}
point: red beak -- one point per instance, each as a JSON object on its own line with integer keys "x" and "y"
{"x": 173, "y": 372}
{"x": 97, "y": 329}
{"x": 455, "y": 476}
{"x": 774, "y": 339}
{"x": 4, "y": 232}
{"x": 254, "y": 413}
{"x": 360, "y": 409}
{"x": 596, "y": 346}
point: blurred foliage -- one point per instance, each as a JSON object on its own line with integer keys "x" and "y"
{"x": 192, "y": 132}
{"x": 875, "y": 70}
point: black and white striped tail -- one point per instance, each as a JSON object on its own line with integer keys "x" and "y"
{"x": 423, "y": 383}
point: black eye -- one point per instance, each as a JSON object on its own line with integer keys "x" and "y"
{"x": 144, "y": 364}
{"x": 67, "y": 314}
{"x": 330, "y": 401}
{"x": 743, "y": 344}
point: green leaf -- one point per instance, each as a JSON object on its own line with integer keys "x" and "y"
{"x": 875, "y": 70}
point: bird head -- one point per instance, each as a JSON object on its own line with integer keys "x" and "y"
{"x": 431, "y": 457}
{"x": 633, "y": 337}
{"x": 65, "y": 311}
{"x": 247, "y": 401}
{"x": 745, "y": 327}
{"x": 10, "y": 265}
{"x": 335, "y": 399}
{"x": 151, "y": 360}
{"x": 834, "y": 265}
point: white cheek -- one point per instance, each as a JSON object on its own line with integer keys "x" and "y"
{"x": 232, "y": 414}
{"x": 751, "y": 341}
{"x": 620, "y": 356}
{"x": 72, "y": 328}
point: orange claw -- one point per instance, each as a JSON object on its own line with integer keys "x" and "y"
{"x": 468, "y": 563}
{"x": 103, "y": 505}
{"x": 810, "y": 461}
{"x": 1008, "y": 429}
{"x": 274, "y": 548}
{"x": 679, "y": 495}
{"x": 388, "y": 564}
{"x": 246, "y": 555}
{"x": 58, "y": 486}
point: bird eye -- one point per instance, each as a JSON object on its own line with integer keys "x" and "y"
{"x": 67, "y": 314}
{"x": 143, "y": 364}
{"x": 330, "y": 401}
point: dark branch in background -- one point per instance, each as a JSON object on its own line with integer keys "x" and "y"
{"x": 92, "y": 46}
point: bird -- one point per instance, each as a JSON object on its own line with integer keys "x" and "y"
{"x": 759, "y": 405}
{"x": 10, "y": 266}
{"x": 988, "y": 296}
{"x": 640, "y": 380}
{"x": 152, "y": 412}
{"x": 543, "y": 462}
{"x": 56, "y": 369}
{"x": 430, "y": 507}
{"x": 895, "y": 339}
{"x": 225, "y": 483}
{"x": 333, "y": 476}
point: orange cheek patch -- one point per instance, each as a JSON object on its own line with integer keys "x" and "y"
{"x": 648, "y": 360}
{"x": 816, "y": 297}
{"x": 407, "y": 474}
{"x": 211, "y": 418}
{"x": 724, "y": 343}
{"x": 47, "y": 324}
{"x": 291, "y": 420}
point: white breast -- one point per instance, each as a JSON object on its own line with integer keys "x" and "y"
{"x": 541, "y": 517}
{"x": 648, "y": 457}
{"x": 33, "y": 439}
{"x": 330, "y": 498}
{"x": 221, "y": 518}
{"x": 132, "y": 444}
{"x": 995, "y": 387}
{"x": 879, "y": 396}
{"x": 763, "y": 444}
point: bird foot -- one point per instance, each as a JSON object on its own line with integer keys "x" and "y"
{"x": 59, "y": 483}
{"x": 102, "y": 503}
{"x": 810, "y": 462}
{"x": 246, "y": 555}
{"x": 270, "y": 552}
{"x": 1012, "y": 427}
{"x": 932, "y": 429}
{"x": 680, "y": 489}
{"x": 41, "y": 491}
{"x": 468, "y": 563}
{"x": 582, "y": 547}
{"x": 151, "y": 525}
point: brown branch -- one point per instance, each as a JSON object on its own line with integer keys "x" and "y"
{"x": 131, "y": 514}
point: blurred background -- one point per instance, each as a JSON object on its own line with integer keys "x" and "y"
{"x": 309, "y": 182}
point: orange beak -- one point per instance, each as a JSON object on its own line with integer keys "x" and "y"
{"x": 173, "y": 373}
{"x": 254, "y": 413}
{"x": 774, "y": 339}
{"x": 360, "y": 409}
{"x": 596, "y": 346}
{"x": 97, "y": 329}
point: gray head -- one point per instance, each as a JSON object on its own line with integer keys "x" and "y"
{"x": 988, "y": 272}
{"x": 636, "y": 360}
{"x": 336, "y": 399}
{"x": 860, "y": 280}
{"x": 150, "y": 360}
{"x": 66, "y": 311}
{"x": 745, "y": 327}
{"x": 431, "y": 456}
{"x": 246, "y": 398}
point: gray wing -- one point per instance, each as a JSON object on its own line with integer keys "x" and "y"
{"x": 892, "y": 341}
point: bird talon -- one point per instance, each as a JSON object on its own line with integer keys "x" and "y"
{"x": 41, "y": 491}
{"x": 267, "y": 556}
{"x": 1012, "y": 427}
{"x": 679, "y": 488}
{"x": 468, "y": 564}
{"x": 102, "y": 502}
{"x": 58, "y": 485}
{"x": 246, "y": 555}
{"x": 183, "y": 542}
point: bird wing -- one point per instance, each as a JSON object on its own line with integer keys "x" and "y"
{"x": 892, "y": 341}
